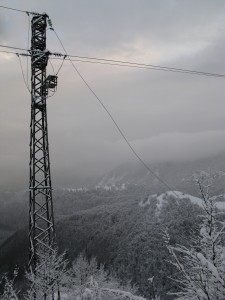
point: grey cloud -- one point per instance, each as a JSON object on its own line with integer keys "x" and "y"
{"x": 1, "y": 25}
{"x": 182, "y": 146}
{"x": 166, "y": 116}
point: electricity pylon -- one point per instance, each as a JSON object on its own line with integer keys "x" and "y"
{"x": 41, "y": 217}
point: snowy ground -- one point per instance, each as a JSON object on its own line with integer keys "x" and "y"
{"x": 163, "y": 198}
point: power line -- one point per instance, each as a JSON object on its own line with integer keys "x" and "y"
{"x": 114, "y": 121}
{"x": 110, "y": 115}
{"x": 9, "y": 52}
{"x": 12, "y": 47}
{"x": 121, "y": 63}
{"x": 111, "y": 62}
{"x": 16, "y": 53}
{"x": 15, "y": 9}
{"x": 129, "y": 63}
{"x": 146, "y": 68}
{"x": 52, "y": 66}
{"x": 20, "y": 10}
{"x": 61, "y": 64}
{"x": 21, "y": 67}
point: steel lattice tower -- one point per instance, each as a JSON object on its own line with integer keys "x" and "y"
{"x": 41, "y": 217}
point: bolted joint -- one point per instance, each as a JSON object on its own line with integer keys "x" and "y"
{"x": 40, "y": 59}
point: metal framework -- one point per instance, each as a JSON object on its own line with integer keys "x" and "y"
{"x": 41, "y": 217}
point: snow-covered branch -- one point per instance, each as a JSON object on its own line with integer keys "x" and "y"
{"x": 202, "y": 268}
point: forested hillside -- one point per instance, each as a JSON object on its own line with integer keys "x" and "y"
{"x": 123, "y": 235}
{"x": 122, "y": 225}
{"x": 126, "y": 182}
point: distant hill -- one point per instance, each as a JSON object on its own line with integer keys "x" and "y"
{"x": 125, "y": 180}
{"x": 176, "y": 174}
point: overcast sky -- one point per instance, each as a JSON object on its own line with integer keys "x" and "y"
{"x": 165, "y": 116}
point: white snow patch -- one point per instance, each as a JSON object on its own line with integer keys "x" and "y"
{"x": 220, "y": 205}
{"x": 193, "y": 199}
{"x": 163, "y": 198}
{"x": 75, "y": 190}
{"x": 112, "y": 187}
{"x": 123, "y": 187}
{"x": 210, "y": 266}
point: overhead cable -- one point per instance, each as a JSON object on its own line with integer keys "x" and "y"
{"x": 15, "y": 9}
{"x": 146, "y": 68}
{"x": 124, "y": 63}
{"x": 53, "y": 69}
{"x": 61, "y": 65}
{"x": 12, "y": 47}
{"x": 11, "y": 52}
{"x": 114, "y": 121}
{"x": 21, "y": 67}
{"x": 127, "y": 63}
{"x": 121, "y": 63}
{"x": 20, "y": 10}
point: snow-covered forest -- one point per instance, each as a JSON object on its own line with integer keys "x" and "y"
{"x": 124, "y": 244}
{"x": 112, "y": 150}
